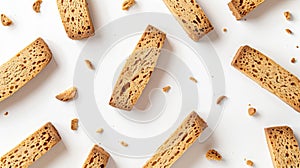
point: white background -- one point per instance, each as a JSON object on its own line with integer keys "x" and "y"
{"x": 238, "y": 136}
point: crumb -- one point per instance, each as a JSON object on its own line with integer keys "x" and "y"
{"x": 289, "y": 31}
{"x": 37, "y": 6}
{"x": 249, "y": 163}
{"x": 74, "y": 124}
{"x": 5, "y": 20}
{"x": 127, "y": 4}
{"x": 224, "y": 30}
{"x": 249, "y": 104}
{"x": 193, "y": 79}
{"x": 213, "y": 155}
{"x": 297, "y": 46}
{"x": 166, "y": 89}
{"x": 251, "y": 111}
{"x": 6, "y": 113}
{"x": 245, "y": 19}
{"x": 124, "y": 143}
{"x": 287, "y": 15}
{"x": 100, "y": 130}
{"x": 220, "y": 99}
{"x": 67, "y": 95}
{"x": 293, "y": 60}
{"x": 89, "y": 64}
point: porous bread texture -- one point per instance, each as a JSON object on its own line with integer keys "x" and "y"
{"x": 174, "y": 147}
{"x": 32, "y": 148}
{"x": 283, "y": 147}
{"x": 191, "y": 17}
{"x": 269, "y": 75}
{"x": 20, "y": 69}
{"x": 241, "y": 8}
{"x": 137, "y": 70}
{"x": 97, "y": 158}
{"x": 76, "y": 18}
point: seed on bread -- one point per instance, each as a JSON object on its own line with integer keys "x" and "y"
{"x": 166, "y": 89}
{"x": 89, "y": 64}
{"x": 287, "y": 15}
{"x": 127, "y": 4}
{"x": 67, "y": 95}
{"x": 37, "y": 6}
{"x": 74, "y": 124}
{"x": 212, "y": 154}
{"x": 5, "y": 20}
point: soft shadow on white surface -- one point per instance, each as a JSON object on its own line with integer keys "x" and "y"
{"x": 30, "y": 87}
{"x": 93, "y": 13}
{"x": 111, "y": 163}
{"x": 213, "y": 35}
{"x": 46, "y": 160}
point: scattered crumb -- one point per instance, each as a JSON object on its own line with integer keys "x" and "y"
{"x": 127, "y": 4}
{"x": 249, "y": 104}
{"x": 249, "y": 163}
{"x": 293, "y": 60}
{"x": 287, "y": 15}
{"x": 6, "y": 113}
{"x": 251, "y": 111}
{"x": 224, "y": 30}
{"x": 220, "y": 99}
{"x": 124, "y": 143}
{"x": 166, "y": 89}
{"x": 67, "y": 95}
{"x": 245, "y": 19}
{"x": 213, "y": 155}
{"x": 89, "y": 64}
{"x": 193, "y": 79}
{"x": 37, "y": 6}
{"x": 5, "y": 20}
{"x": 74, "y": 124}
{"x": 297, "y": 46}
{"x": 289, "y": 31}
{"x": 100, "y": 130}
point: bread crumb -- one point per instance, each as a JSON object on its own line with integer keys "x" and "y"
{"x": 127, "y": 4}
{"x": 89, "y": 64}
{"x": 193, "y": 79}
{"x": 297, "y": 46}
{"x": 287, "y": 15}
{"x": 74, "y": 124}
{"x": 213, "y": 155}
{"x": 220, "y": 99}
{"x": 5, "y": 20}
{"x": 67, "y": 95}
{"x": 251, "y": 111}
{"x": 37, "y": 6}
{"x": 249, "y": 163}
{"x": 100, "y": 130}
{"x": 166, "y": 89}
{"x": 293, "y": 60}
{"x": 289, "y": 31}
{"x": 124, "y": 143}
{"x": 6, "y": 113}
{"x": 224, "y": 30}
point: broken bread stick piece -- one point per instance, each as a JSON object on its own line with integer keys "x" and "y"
{"x": 241, "y": 8}
{"x": 269, "y": 75}
{"x": 32, "y": 148}
{"x": 23, "y": 67}
{"x": 138, "y": 69}
{"x": 67, "y": 95}
{"x": 174, "y": 147}
{"x": 283, "y": 146}
{"x": 127, "y": 4}
{"x": 97, "y": 158}
{"x": 191, "y": 17}
{"x": 76, "y": 19}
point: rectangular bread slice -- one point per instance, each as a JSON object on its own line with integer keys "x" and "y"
{"x": 269, "y": 75}
{"x": 172, "y": 149}
{"x": 241, "y": 8}
{"x": 283, "y": 147}
{"x": 76, "y": 19}
{"x": 191, "y": 17}
{"x": 137, "y": 70}
{"x": 32, "y": 148}
{"x": 20, "y": 69}
{"x": 97, "y": 158}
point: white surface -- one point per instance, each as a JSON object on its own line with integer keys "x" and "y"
{"x": 238, "y": 136}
